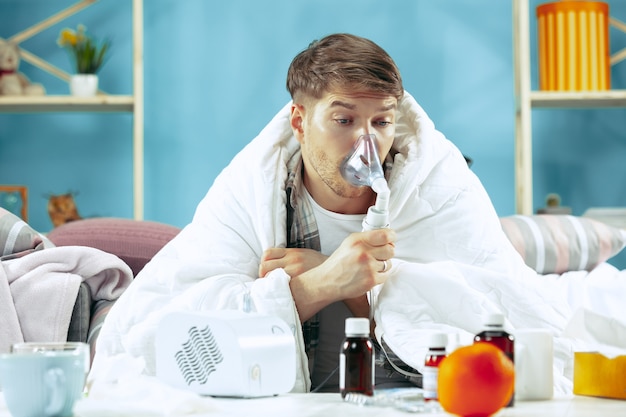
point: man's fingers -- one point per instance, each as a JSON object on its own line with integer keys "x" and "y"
{"x": 380, "y": 237}
{"x": 273, "y": 253}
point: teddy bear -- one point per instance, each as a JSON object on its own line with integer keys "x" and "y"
{"x": 13, "y": 82}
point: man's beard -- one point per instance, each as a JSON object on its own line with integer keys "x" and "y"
{"x": 329, "y": 173}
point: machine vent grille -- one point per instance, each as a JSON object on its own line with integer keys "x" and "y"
{"x": 199, "y": 356}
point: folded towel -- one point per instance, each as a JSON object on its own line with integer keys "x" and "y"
{"x": 38, "y": 290}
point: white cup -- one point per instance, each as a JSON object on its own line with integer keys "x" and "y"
{"x": 534, "y": 352}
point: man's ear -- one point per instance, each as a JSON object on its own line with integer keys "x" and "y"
{"x": 296, "y": 120}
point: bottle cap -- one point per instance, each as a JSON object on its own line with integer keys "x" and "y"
{"x": 438, "y": 340}
{"x": 494, "y": 320}
{"x": 357, "y": 326}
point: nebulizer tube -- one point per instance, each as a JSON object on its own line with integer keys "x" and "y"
{"x": 363, "y": 168}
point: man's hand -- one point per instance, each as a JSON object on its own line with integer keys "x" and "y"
{"x": 352, "y": 270}
{"x": 294, "y": 261}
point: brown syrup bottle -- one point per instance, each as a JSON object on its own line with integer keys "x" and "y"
{"x": 495, "y": 334}
{"x": 356, "y": 358}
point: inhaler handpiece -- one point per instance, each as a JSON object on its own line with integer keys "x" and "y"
{"x": 363, "y": 167}
{"x": 378, "y": 214}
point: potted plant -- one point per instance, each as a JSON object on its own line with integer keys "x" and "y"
{"x": 87, "y": 55}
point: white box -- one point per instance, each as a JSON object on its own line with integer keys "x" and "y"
{"x": 226, "y": 353}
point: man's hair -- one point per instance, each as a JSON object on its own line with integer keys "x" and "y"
{"x": 342, "y": 62}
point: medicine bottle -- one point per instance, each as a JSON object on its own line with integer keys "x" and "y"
{"x": 435, "y": 355}
{"x": 495, "y": 334}
{"x": 356, "y": 358}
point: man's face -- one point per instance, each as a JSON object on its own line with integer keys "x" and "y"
{"x": 327, "y": 130}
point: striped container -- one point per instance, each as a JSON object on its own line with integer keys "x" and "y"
{"x": 573, "y": 41}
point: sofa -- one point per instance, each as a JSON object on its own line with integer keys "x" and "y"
{"x": 118, "y": 247}
{"x": 134, "y": 241}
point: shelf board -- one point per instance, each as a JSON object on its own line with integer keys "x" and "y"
{"x": 578, "y": 99}
{"x": 65, "y": 103}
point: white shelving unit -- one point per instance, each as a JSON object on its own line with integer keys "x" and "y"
{"x": 526, "y": 100}
{"x": 102, "y": 102}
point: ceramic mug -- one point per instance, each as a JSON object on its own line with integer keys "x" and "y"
{"x": 43, "y": 379}
{"x": 533, "y": 364}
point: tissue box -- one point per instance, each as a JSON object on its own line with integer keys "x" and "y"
{"x": 598, "y": 376}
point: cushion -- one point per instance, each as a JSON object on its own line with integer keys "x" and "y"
{"x": 134, "y": 241}
{"x": 17, "y": 238}
{"x": 551, "y": 243}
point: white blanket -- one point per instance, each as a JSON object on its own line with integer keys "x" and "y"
{"x": 582, "y": 309}
{"x": 453, "y": 263}
{"x": 38, "y": 290}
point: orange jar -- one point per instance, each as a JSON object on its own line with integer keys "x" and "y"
{"x": 573, "y": 51}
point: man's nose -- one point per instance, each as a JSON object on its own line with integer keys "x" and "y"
{"x": 363, "y": 130}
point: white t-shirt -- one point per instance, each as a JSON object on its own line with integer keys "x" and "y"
{"x": 333, "y": 229}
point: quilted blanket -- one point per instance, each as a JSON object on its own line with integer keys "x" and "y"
{"x": 453, "y": 261}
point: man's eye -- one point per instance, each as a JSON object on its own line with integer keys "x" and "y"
{"x": 343, "y": 121}
{"x": 383, "y": 123}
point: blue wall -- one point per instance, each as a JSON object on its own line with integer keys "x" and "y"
{"x": 214, "y": 76}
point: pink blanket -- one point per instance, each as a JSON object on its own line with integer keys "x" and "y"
{"x": 38, "y": 290}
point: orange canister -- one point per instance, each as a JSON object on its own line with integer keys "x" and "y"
{"x": 573, "y": 50}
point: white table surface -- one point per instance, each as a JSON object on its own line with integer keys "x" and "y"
{"x": 331, "y": 405}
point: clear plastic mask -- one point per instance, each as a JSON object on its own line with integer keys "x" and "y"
{"x": 362, "y": 167}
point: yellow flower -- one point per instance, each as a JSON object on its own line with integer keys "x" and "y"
{"x": 67, "y": 37}
{"x": 87, "y": 55}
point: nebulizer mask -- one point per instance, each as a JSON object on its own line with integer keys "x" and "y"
{"x": 362, "y": 167}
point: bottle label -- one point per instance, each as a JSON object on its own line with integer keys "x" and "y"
{"x": 429, "y": 382}
{"x": 342, "y": 371}
{"x": 373, "y": 365}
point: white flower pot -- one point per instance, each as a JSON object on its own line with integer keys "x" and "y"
{"x": 84, "y": 85}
